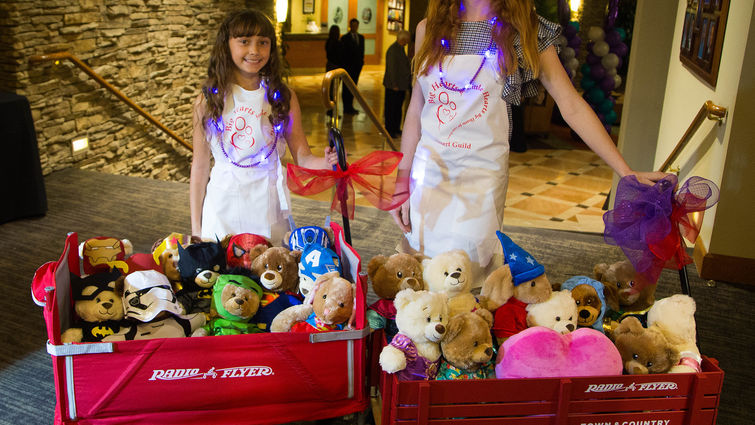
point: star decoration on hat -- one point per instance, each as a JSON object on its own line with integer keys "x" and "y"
{"x": 512, "y": 257}
{"x": 530, "y": 261}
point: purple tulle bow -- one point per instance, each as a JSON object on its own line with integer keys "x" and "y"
{"x": 648, "y": 222}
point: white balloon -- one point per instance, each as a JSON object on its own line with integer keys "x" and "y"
{"x": 561, "y": 40}
{"x": 601, "y": 48}
{"x": 611, "y": 72}
{"x": 616, "y": 81}
{"x": 596, "y": 34}
{"x": 610, "y": 61}
{"x": 572, "y": 64}
{"x": 568, "y": 53}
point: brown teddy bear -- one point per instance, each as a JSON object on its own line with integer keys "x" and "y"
{"x": 388, "y": 276}
{"x": 510, "y": 288}
{"x": 643, "y": 350}
{"x": 278, "y": 271}
{"x": 591, "y": 302}
{"x": 235, "y": 300}
{"x": 626, "y": 291}
{"x": 329, "y": 307}
{"x": 467, "y": 348}
{"x": 98, "y": 307}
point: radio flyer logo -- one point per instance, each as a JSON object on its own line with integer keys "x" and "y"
{"x": 619, "y": 387}
{"x": 448, "y": 108}
{"x": 229, "y": 372}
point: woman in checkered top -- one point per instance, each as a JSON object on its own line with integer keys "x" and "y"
{"x": 474, "y": 59}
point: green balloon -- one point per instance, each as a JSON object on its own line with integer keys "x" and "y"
{"x": 611, "y": 117}
{"x": 587, "y": 83}
{"x": 606, "y": 106}
{"x": 585, "y": 68}
{"x": 596, "y": 95}
{"x": 575, "y": 24}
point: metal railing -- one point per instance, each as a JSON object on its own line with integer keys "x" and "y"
{"x": 332, "y": 77}
{"x": 89, "y": 71}
{"x": 710, "y": 111}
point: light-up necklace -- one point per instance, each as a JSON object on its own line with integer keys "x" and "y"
{"x": 277, "y": 130}
{"x": 489, "y": 53}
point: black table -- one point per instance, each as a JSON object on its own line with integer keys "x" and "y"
{"x": 22, "y": 187}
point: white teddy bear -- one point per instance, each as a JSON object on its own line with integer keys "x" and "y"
{"x": 451, "y": 273}
{"x": 559, "y": 313}
{"x": 421, "y": 318}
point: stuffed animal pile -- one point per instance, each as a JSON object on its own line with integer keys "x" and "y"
{"x": 519, "y": 325}
{"x": 238, "y": 285}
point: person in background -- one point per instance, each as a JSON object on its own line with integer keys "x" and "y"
{"x": 353, "y": 60}
{"x": 396, "y": 80}
{"x": 243, "y": 119}
{"x": 333, "y": 54}
{"x": 473, "y": 61}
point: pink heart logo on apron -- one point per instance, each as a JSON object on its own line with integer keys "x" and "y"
{"x": 447, "y": 109}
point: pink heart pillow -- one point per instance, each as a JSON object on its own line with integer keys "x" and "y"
{"x": 541, "y": 352}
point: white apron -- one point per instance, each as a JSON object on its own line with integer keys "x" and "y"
{"x": 460, "y": 168}
{"x": 239, "y": 198}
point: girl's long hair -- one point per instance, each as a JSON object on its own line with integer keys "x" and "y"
{"x": 513, "y": 16}
{"x": 244, "y": 23}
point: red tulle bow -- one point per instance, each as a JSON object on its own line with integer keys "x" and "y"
{"x": 370, "y": 174}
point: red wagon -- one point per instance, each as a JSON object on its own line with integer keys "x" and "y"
{"x": 250, "y": 379}
{"x": 658, "y": 399}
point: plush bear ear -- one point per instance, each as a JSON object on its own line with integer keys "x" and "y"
{"x": 630, "y": 325}
{"x": 600, "y": 271}
{"x": 454, "y": 327}
{"x": 403, "y": 298}
{"x": 296, "y": 255}
{"x": 375, "y": 264}
{"x": 611, "y": 294}
{"x": 498, "y": 287}
{"x": 119, "y": 284}
{"x": 225, "y": 241}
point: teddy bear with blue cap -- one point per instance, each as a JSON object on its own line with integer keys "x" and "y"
{"x": 520, "y": 281}
{"x": 591, "y": 301}
{"x": 316, "y": 260}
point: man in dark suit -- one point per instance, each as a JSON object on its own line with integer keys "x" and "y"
{"x": 353, "y": 59}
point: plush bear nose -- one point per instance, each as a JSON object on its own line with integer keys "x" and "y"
{"x": 239, "y": 301}
{"x": 412, "y": 282}
{"x": 107, "y": 305}
{"x": 570, "y": 327}
{"x": 489, "y": 351}
{"x": 268, "y": 276}
{"x": 584, "y": 314}
{"x": 455, "y": 275}
{"x": 440, "y": 329}
{"x": 207, "y": 275}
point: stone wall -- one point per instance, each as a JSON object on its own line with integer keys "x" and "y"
{"x": 153, "y": 51}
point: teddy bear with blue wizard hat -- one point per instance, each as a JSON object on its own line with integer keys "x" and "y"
{"x": 520, "y": 281}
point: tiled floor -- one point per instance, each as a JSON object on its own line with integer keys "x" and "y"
{"x": 557, "y": 184}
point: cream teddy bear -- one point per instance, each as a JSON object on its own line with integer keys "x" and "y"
{"x": 451, "y": 273}
{"x": 422, "y": 318}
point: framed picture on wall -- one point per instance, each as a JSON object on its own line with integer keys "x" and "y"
{"x": 308, "y": 7}
{"x": 703, "y": 37}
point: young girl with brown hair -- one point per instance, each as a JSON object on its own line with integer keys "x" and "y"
{"x": 475, "y": 58}
{"x": 242, "y": 118}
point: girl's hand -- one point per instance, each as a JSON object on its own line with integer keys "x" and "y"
{"x": 401, "y": 217}
{"x": 331, "y": 156}
{"x": 648, "y": 177}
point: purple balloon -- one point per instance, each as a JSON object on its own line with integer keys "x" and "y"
{"x": 592, "y": 59}
{"x": 573, "y": 42}
{"x": 601, "y": 117}
{"x": 620, "y": 49}
{"x": 612, "y": 37}
{"x": 597, "y": 72}
{"x": 607, "y": 83}
{"x": 569, "y": 31}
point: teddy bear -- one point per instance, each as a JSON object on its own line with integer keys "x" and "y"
{"x": 152, "y": 309}
{"x": 626, "y": 291}
{"x": 242, "y": 248}
{"x": 102, "y": 253}
{"x": 507, "y": 291}
{"x": 199, "y": 264}
{"x": 591, "y": 301}
{"x": 451, "y": 272}
{"x": 643, "y": 350}
{"x": 97, "y": 305}
{"x": 165, "y": 255}
{"x": 422, "y": 320}
{"x": 674, "y": 316}
{"x": 278, "y": 271}
{"x": 467, "y": 348}
{"x": 559, "y": 312}
{"x": 235, "y": 300}
{"x": 329, "y": 307}
{"x": 389, "y": 275}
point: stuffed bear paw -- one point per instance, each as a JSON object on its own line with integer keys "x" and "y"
{"x": 392, "y": 359}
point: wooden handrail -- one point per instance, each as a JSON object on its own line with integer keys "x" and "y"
{"x": 330, "y": 78}
{"x": 710, "y": 111}
{"x": 89, "y": 71}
